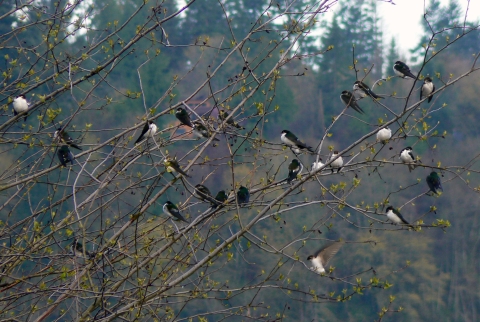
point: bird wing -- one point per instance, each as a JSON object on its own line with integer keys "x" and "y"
{"x": 327, "y": 252}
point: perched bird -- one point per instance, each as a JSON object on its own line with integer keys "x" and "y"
{"x": 221, "y": 196}
{"x": 201, "y": 131}
{"x": 349, "y": 100}
{"x": 223, "y": 115}
{"x": 323, "y": 256}
{"x": 148, "y": 131}
{"x": 204, "y": 194}
{"x": 64, "y": 155}
{"x": 20, "y": 105}
{"x": 173, "y": 166}
{"x": 396, "y": 217}
{"x": 172, "y": 211}
{"x": 317, "y": 165}
{"x": 362, "y": 90}
{"x": 338, "y": 163}
{"x": 183, "y": 117}
{"x": 406, "y": 155}
{"x": 384, "y": 135}
{"x": 64, "y": 137}
{"x": 293, "y": 142}
{"x": 294, "y": 169}
{"x": 243, "y": 195}
{"x": 402, "y": 70}
{"x": 433, "y": 181}
{"x": 76, "y": 249}
{"x": 427, "y": 89}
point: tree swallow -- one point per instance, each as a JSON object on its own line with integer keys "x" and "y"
{"x": 433, "y": 181}
{"x": 64, "y": 155}
{"x": 402, "y": 70}
{"x": 243, "y": 196}
{"x": 20, "y": 105}
{"x": 317, "y": 165}
{"x": 201, "y": 131}
{"x": 427, "y": 89}
{"x": 223, "y": 115}
{"x": 294, "y": 169}
{"x": 172, "y": 211}
{"x": 183, "y": 117}
{"x": 337, "y": 164}
{"x": 221, "y": 196}
{"x": 384, "y": 135}
{"x": 323, "y": 256}
{"x": 396, "y": 217}
{"x": 64, "y": 137}
{"x": 148, "y": 131}
{"x": 172, "y": 166}
{"x": 406, "y": 155}
{"x": 362, "y": 90}
{"x": 349, "y": 100}
{"x": 293, "y": 142}
{"x": 76, "y": 249}
{"x": 204, "y": 194}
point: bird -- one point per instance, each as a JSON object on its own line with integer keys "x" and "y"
{"x": 64, "y": 155}
{"x": 20, "y": 105}
{"x": 384, "y": 135}
{"x": 396, "y": 217}
{"x": 204, "y": 194}
{"x": 338, "y": 163}
{"x": 172, "y": 166}
{"x": 148, "y": 131}
{"x": 406, "y": 155}
{"x": 221, "y": 196}
{"x": 172, "y": 211}
{"x": 349, "y": 100}
{"x": 223, "y": 115}
{"x": 362, "y": 90}
{"x": 433, "y": 181}
{"x": 317, "y": 165}
{"x": 293, "y": 142}
{"x": 323, "y": 256}
{"x": 427, "y": 89}
{"x": 183, "y": 117}
{"x": 294, "y": 169}
{"x": 243, "y": 195}
{"x": 402, "y": 70}
{"x": 201, "y": 131}
{"x": 64, "y": 137}
{"x": 76, "y": 249}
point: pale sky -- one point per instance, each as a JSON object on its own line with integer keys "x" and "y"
{"x": 402, "y": 20}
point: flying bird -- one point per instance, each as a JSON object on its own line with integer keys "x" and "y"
{"x": 406, "y": 155}
{"x": 148, "y": 131}
{"x": 243, "y": 195}
{"x": 183, "y": 117}
{"x": 362, "y": 90}
{"x": 20, "y": 105}
{"x": 172, "y": 166}
{"x": 223, "y": 115}
{"x": 396, "y": 217}
{"x": 433, "y": 181}
{"x": 201, "y": 131}
{"x": 76, "y": 249}
{"x": 323, "y": 256}
{"x": 64, "y": 137}
{"x": 384, "y": 135}
{"x": 349, "y": 100}
{"x": 427, "y": 89}
{"x": 172, "y": 211}
{"x": 402, "y": 70}
{"x": 317, "y": 165}
{"x": 64, "y": 155}
{"x": 294, "y": 169}
{"x": 338, "y": 163}
{"x": 293, "y": 142}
